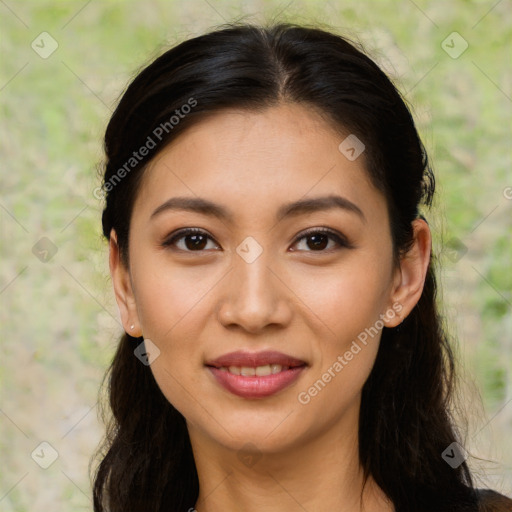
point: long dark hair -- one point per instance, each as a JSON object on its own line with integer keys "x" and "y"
{"x": 405, "y": 423}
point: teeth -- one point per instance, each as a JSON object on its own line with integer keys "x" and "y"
{"x": 262, "y": 371}
{"x": 276, "y": 368}
{"x": 259, "y": 371}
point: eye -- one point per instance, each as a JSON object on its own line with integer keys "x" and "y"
{"x": 319, "y": 240}
{"x": 195, "y": 239}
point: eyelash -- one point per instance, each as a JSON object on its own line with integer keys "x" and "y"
{"x": 338, "y": 238}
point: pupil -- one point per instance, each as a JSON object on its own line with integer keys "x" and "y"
{"x": 320, "y": 241}
{"x": 197, "y": 242}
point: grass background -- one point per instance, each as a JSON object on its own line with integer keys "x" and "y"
{"x": 59, "y": 319}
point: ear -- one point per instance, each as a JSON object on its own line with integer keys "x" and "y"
{"x": 123, "y": 289}
{"x": 410, "y": 276}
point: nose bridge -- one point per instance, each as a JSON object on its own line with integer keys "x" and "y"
{"x": 253, "y": 277}
{"x": 255, "y": 295}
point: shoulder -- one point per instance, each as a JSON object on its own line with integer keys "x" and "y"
{"x": 491, "y": 501}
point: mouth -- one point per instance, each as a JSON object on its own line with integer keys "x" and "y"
{"x": 256, "y": 375}
{"x": 258, "y": 371}
{"x": 243, "y": 359}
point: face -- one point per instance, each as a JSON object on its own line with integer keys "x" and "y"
{"x": 313, "y": 281}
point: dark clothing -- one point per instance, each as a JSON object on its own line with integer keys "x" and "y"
{"x": 491, "y": 501}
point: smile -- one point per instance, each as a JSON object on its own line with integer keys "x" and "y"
{"x": 259, "y": 371}
{"x": 255, "y": 374}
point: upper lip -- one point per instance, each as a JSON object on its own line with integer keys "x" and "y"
{"x": 254, "y": 359}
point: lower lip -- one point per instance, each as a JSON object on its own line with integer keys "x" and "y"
{"x": 256, "y": 387}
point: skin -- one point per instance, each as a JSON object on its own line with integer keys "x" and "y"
{"x": 271, "y": 454}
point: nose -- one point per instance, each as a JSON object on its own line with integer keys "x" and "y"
{"x": 255, "y": 296}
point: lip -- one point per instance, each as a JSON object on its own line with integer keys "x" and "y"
{"x": 256, "y": 386}
{"x": 254, "y": 359}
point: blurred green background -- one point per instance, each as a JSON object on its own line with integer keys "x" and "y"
{"x": 59, "y": 319}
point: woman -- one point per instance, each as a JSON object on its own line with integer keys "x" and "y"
{"x": 283, "y": 349}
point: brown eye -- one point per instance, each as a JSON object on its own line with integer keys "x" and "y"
{"x": 318, "y": 240}
{"x": 194, "y": 240}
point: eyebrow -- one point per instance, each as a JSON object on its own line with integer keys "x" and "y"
{"x": 300, "y": 207}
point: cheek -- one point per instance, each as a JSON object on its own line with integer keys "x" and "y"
{"x": 349, "y": 306}
{"x": 174, "y": 304}
{"x": 167, "y": 298}
{"x": 346, "y": 300}
{"x": 349, "y": 303}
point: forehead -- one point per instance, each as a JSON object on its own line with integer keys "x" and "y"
{"x": 255, "y": 161}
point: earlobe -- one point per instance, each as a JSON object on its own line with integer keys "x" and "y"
{"x": 123, "y": 289}
{"x": 410, "y": 277}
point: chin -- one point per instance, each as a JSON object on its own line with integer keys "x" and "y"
{"x": 264, "y": 432}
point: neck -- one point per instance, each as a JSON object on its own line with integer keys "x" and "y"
{"x": 320, "y": 473}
